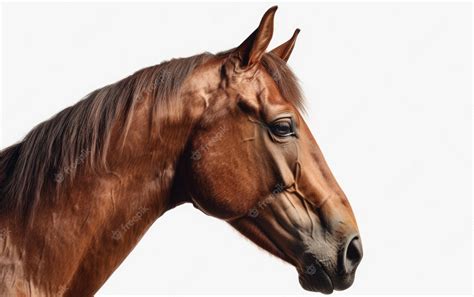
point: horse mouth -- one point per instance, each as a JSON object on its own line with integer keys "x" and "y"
{"x": 323, "y": 265}
{"x": 314, "y": 278}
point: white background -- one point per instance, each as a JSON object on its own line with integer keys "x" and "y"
{"x": 389, "y": 101}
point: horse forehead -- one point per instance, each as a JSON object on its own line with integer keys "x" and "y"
{"x": 269, "y": 91}
{"x": 256, "y": 85}
{"x": 259, "y": 82}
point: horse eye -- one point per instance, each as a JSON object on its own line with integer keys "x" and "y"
{"x": 282, "y": 128}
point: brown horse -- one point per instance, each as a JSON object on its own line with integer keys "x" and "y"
{"x": 223, "y": 132}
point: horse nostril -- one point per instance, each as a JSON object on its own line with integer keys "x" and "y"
{"x": 353, "y": 254}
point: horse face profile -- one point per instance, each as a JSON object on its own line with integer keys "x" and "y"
{"x": 254, "y": 163}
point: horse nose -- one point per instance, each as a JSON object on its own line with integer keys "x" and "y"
{"x": 352, "y": 254}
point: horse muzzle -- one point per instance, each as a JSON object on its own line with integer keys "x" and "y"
{"x": 322, "y": 242}
{"x": 321, "y": 273}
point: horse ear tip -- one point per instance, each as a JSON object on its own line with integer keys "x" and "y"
{"x": 272, "y": 9}
{"x": 297, "y": 31}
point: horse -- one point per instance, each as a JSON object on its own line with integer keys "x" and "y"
{"x": 222, "y": 131}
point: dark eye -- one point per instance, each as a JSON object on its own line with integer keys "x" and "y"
{"x": 282, "y": 127}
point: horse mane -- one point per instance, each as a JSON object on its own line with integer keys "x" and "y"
{"x": 81, "y": 133}
{"x": 51, "y": 151}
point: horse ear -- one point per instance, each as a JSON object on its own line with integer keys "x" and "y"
{"x": 284, "y": 51}
{"x": 252, "y": 49}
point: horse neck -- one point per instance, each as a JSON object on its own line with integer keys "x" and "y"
{"x": 81, "y": 239}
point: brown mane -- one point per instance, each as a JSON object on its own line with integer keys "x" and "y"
{"x": 57, "y": 143}
{"x": 26, "y": 167}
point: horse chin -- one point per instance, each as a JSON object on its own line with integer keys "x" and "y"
{"x": 314, "y": 278}
{"x": 320, "y": 282}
